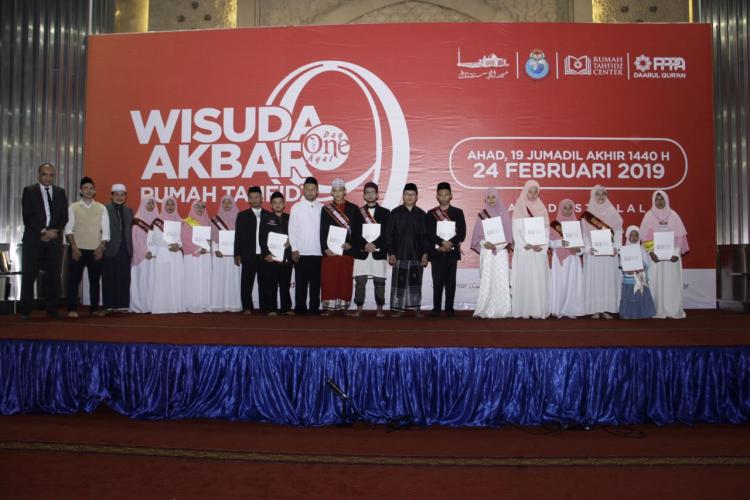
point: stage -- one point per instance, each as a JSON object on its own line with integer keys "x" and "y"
{"x": 456, "y": 372}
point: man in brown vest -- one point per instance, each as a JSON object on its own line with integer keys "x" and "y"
{"x": 87, "y": 232}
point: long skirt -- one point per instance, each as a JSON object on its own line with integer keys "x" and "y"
{"x": 601, "y": 283}
{"x": 142, "y": 279}
{"x": 168, "y": 282}
{"x": 529, "y": 284}
{"x": 197, "y": 289}
{"x": 636, "y": 305}
{"x": 406, "y": 285}
{"x": 336, "y": 282}
{"x": 494, "y": 285}
{"x": 566, "y": 287}
{"x": 225, "y": 284}
{"x": 665, "y": 279}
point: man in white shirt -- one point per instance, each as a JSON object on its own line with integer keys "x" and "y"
{"x": 304, "y": 237}
{"x": 87, "y": 233}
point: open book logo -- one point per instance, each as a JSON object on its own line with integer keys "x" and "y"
{"x": 577, "y": 65}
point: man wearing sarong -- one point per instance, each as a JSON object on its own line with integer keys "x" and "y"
{"x": 337, "y": 266}
{"x": 407, "y": 253}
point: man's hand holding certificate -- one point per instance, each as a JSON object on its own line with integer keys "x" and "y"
{"x": 370, "y": 232}
{"x": 336, "y": 239}
{"x": 446, "y": 229}
{"x": 494, "y": 232}
{"x": 277, "y": 245}
{"x": 601, "y": 242}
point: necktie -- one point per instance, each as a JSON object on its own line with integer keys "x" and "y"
{"x": 49, "y": 205}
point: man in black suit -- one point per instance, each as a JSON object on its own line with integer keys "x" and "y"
{"x": 45, "y": 214}
{"x": 118, "y": 252}
{"x": 247, "y": 251}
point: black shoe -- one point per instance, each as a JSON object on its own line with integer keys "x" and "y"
{"x": 450, "y": 313}
{"x": 435, "y": 313}
{"x": 53, "y": 314}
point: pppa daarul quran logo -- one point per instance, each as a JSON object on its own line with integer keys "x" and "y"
{"x": 284, "y": 140}
{"x": 659, "y": 67}
{"x": 536, "y": 65}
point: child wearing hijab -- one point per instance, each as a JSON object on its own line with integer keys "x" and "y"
{"x": 197, "y": 290}
{"x": 494, "y": 269}
{"x": 169, "y": 268}
{"x": 665, "y": 276}
{"x": 143, "y": 260}
{"x": 635, "y": 297}
{"x": 566, "y": 276}
{"x": 529, "y": 278}
{"x": 601, "y": 273}
{"x": 225, "y": 273}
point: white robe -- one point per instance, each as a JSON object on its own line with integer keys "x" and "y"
{"x": 225, "y": 284}
{"x": 196, "y": 295}
{"x": 494, "y": 284}
{"x": 529, "y": 278}
{"x": 566, "y": 285}
{"x": 142, "y": 281}
{"x": 168, "y": 277}
{"x": 602, "y": 279}
{"x": 665, "y": 280}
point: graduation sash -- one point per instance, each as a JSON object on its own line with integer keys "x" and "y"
{"x": 338, "y": 217}
{"x": 159, "y": 224}
{"x": 557, "y": 226}
{"x": 369, "y": 219}
{"x": 484, "y": 214}
{"x": 142, "y": 224}
{"x": 219, "y": 223}
{"x": 595, "y": 221}
{"x": 440, "y": 214}
{"x": 191, "y": 222}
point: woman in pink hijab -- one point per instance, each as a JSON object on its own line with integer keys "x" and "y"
{"x": 665, "y": 275}
{"x": 168, "y": 270}
{"x": 197, "y": 290}
{"x": 494, "y": 272}
{"x": 225, "y": 282}
{"x": 601, "y": 273}
{"x": 529, "y": 278}
{"x": 142, "y": 269}
{"x": 566, "y": 277}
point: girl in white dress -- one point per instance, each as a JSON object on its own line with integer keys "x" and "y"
{"x": 665, "y": 276}
{"x": 197, "y": 290}
{"x": 566, "y": 277}
{"x": 142, "y": 268}
{"x": 529, "y": 278}
{"x": 168, "y": 269}
{"x": 225, "y": 277}
{"x": 494, "y": 272}
{"x": 601, "y": 273}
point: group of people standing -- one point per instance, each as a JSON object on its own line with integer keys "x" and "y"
{"x": 151, "y": 262}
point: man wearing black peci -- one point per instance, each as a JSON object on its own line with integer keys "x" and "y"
{"x": 446, "y": 229}
{"x": 45, "y": 213}
{"x": 247, "y": 252}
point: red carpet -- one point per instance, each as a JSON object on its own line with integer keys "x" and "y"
{"x": 702, "y": 327}
{"x": 105, "y": 455}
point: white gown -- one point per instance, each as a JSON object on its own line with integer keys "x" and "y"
{"x": 197, "y": 283}
{"x": 494, "y": 284}
{"x": 566, "y": 285}
{"x": 665, "y": 280}
{"x": 529, "y": 278}
{"x": 168, "y": 277}
{"x": 602, "y": 279}
{"x": 225, "y": 284}
{"x": 142, "y": 281}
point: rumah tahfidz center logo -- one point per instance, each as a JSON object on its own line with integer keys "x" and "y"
{"x": 283, "y": 139}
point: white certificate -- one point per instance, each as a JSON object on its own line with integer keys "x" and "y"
{"x": 572, "y": 233}
{"x": 664, "y": 244}
{"x": 172, "y": 231}
{"x": 370, "y": 232}
{"x": 631, "y": 259}
{"x": 276, "y": 245}
{"x": 534, "y": 231}
{"x": 226, "y": 242}
{"x": 493, "y": 230}
{"x": 202, "y": 237}
{"x": 601, "y": 241}
{"x": 336, "y": 239}
{"x": 446, "y": 229}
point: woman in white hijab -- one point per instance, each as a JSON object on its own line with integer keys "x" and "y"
{"x": 665, "y": 276}
{"x": 529, "y": 280}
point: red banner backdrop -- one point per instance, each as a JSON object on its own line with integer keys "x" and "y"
{"x": 207, "y": 113}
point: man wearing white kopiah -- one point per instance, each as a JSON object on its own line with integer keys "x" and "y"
{"x": 601, "y": 273}
{"x": 144, "y": 257}
{"x": 304, "y": 238}
{"x": 371, "y": 261}
{"x": 529, "y": 276}
{"x": 663, "y": 227}
{"x": 118, "y": 252}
